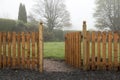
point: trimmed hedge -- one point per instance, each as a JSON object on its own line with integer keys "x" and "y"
{"x": 7, "y": 24}
{"x": 16, "y": 26}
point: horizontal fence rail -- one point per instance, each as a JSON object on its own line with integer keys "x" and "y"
{"x": 21, "y": 50}
{"x": 93, "y": 50}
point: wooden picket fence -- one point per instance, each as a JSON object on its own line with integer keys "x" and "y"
{"x": 22, "y": 50}
{"x": 93, "y": 50}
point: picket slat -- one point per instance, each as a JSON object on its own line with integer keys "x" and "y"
{"x": 79, "y": 49}
{"x": 66, "y": 58}
{"x": 93, "y": 50}
{"x": 19, "y": 49}
{"x": 104, "y": 63}
{"x": 4, "y": 50}
{"x": 110, "y": 50}
{"x": 37, "y": 42}
{"x": 98, "y": 50}
{"x": 9, "y": 49}
{"x": 33, "y": 50}
{"x": 72, "y": 38}
{"x": 115, "y": 50}
{"x": 76, "y": 47}
{"x": 28, "y": 49}
{"x": 0, "y": 49}
{"x": 23, "y": 50}
{"x": 14, "y": 49}
{"x": 69, "y": 49}
{"x": 88, "y": 50}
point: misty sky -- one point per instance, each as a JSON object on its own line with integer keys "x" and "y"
{"x": 79, "y": 10}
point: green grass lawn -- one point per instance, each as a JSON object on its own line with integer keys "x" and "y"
{"x": 54, "y": 50}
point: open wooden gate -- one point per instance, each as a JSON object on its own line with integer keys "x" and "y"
{"x": 93, "y": 50}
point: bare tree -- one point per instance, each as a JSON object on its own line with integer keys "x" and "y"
{"x": 52, "y": 12}
{"x": 108, "y": 14}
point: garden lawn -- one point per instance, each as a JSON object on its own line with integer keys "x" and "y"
{"x": 54, "y": 50}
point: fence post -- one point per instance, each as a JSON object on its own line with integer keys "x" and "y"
{"x": 84, "y": 45}
{"x": 40, "y": 47}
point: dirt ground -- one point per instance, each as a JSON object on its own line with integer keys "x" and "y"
{"x": 52, "y": 65}
{"x": 58, "y": 70}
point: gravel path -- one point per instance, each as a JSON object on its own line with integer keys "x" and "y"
{"x": 58, "y": 70}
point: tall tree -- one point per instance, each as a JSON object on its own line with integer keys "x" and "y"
{"x": 108, "y": 14}
{"x": 52, "y": 12}
{"x": 22, "y": 15}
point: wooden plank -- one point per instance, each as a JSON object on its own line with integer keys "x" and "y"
{"x": 74, "y": 50}
{"x": 4, "y": 50}
{"x": 98, "y": 49}
{"x": 116, "y": 50}
{"x": 9, "y": 49}
{"x": 70, "y": 44}
{"x": 28, "y": 49}
{"x": 23, "y": 50}
{"x": 37, "y": 41}
{"x": 66, "y": 59}
{"x": 14, "y": 49}
{"x": 88, "y": 50}
{"x": 79, "y": 49}
{"x": 0, "y": 49}
{"x": 33, "y": 50}
{"x": 104, "y": 63}
{"x": 76, "y": 47}
{"x": 110, "y": 50}
{"x": 93, "y": 50}
{"x": 119, "y": 53}
{"x": 69, "y": 48}
{"x": 70, "y": 52}
{"x": 19, "y": 50}
{"x": 41, "y": 47}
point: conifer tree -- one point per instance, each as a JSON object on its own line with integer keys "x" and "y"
{"x": 22, "y": 15}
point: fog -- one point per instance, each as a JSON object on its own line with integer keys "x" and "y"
{"x": 80, "y": 10}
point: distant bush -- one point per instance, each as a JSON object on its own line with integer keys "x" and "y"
{"x": 7, "y": 24}
{"x": 51, "y": 36}
{"x": 58, "y": 35}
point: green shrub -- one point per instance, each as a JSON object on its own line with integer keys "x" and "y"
{"x": 51, "y": 36}
{"x": 32, "y": 27}
{"x": 58, "y": 35}
{"x": 20, "y": 26}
